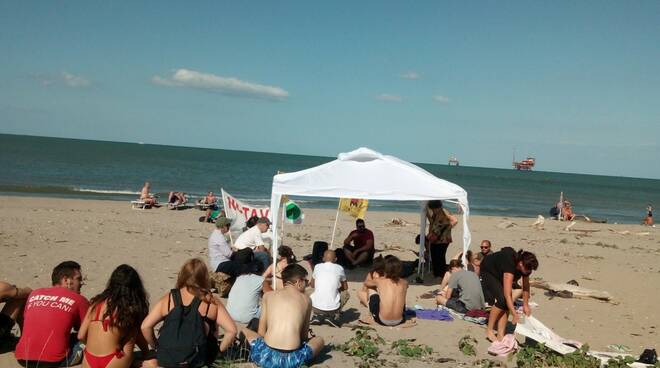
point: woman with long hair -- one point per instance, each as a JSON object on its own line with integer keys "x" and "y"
{"x": 191, "y": 298}
{"x": 111, "y": 327}
{"x": 285, "y": 257}
{"x": 439, "y": 237}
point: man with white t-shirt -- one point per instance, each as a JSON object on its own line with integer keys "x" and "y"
{"x": 252, "y": 239}
{"x": 329, "y": 283}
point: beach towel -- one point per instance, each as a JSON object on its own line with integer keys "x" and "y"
{"x": 477, "y": 320}
{"x": 504, "y": 347}
{"x": 433, "y": 314}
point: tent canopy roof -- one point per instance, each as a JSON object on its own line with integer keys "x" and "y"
{"x": 364, "y": 173}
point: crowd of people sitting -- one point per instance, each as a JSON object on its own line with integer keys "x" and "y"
{"x": 268, "y": 296}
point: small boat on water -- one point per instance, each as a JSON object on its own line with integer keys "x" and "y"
{"x": 453, "y": 161}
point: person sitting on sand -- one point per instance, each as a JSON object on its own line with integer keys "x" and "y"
{"x": 252, "y": 239}
{"x": 386, "y": 295}
{"x": 50, "y": 314}
{"x": 282, "y": 336}
{"x": 243, "y": 299}
{"x": 147, "y": 197}
{"x": 567, "y": 211}
{"x": 221, "y": 256}
{"x": 329, "y": 283}
{"x": 648, "y": 220}
{"x": 12, "y": 313}
{"x": 486, "y": 247}
{"x": 463, "y": 291}
{"x": 210, "y": 203}
{"x": 475, "y": 263}
{"x": 176, "y": 199}
{"x": 499, "y": 271}
{"x": 191, "y": 291}
{"x": 285, "y": 257}
{"x": 111, "y": 327}
{"x": 362, "y": 249}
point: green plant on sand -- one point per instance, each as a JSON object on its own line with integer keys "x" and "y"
{"x": 364, "y": 346}
{"x": 466, "y": 345}
{"x": 531, "y": 356}
{"x": 407, "y": 348}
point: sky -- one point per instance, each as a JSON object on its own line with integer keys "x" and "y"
{"x": 575, "y": 84}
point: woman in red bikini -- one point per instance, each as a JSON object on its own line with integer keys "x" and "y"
{"x": 111, "y": 327}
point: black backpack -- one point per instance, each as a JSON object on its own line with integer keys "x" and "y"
{"x": 182, "y": 341}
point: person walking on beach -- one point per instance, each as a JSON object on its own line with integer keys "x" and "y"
{"x": 50, "y": 314}
{"x": 362, "y": 250}
{"x": 282, "y": 338}
{"x": 499, "y": 272}
{"x": 439, "y": 237}
{"x": 111, "y": 327}
{"x": 192, "y": 316}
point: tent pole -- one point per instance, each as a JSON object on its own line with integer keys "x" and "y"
{"x": 422, "y": 239}
{"x": 275, "y": 202}
{"x": 334, "y": 228}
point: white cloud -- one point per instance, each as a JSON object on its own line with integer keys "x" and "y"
{"x": 389, "y": 98}
{"x": 441, "y": 99}
{"x": 75, "y": 81}
{"x": 228, "y": 85}
{"x": 412, "y": 75}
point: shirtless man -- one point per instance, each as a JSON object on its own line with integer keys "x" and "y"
{"x": 648, "y": 220}
{"x": 282, "y": 339}
{"x": 387, "y": 295}
{"x": 177, "y": 199}
{"x": 211, "y": 205}
{"x": 145, "y": 196}
{"x": 14, "y": 299}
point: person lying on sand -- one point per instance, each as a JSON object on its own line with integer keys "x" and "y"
{"x": 386, "y": 295}
{"x": 146, "y": 197}
{"x": 14, "y": 299}
{"x": 176, "y": 199}
{"x": 282, "y": 338}
{"x": 499, "y": 272}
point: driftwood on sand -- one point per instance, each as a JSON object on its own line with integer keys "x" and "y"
{"x": 575, "y": 291}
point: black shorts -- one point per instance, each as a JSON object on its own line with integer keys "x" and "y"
{"x": 371, "y": 253}
{"x": 493, "y": 290}
{"x": 374, "y": 309}
{"x": 457, "y": 305}
{"x": 6, "y": 324}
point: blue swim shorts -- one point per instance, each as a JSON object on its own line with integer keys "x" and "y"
{"x": 267, "y": 357}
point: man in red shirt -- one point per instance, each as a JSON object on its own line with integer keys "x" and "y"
{"x": 362, "y": 251}
{"x": 50, "y": 314}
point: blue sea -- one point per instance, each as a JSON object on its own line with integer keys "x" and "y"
{"x": 72, "y": 168}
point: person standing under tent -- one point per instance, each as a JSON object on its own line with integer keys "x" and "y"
{"x": 439, "y": 237}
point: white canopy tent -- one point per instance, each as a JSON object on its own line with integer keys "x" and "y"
{"x": 367, "y": 174}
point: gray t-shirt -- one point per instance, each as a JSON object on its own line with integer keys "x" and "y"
{"x": 468, "y": 285}
{"x": 243, "y": 300}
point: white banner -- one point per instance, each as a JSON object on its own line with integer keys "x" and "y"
{"x": 239, "y": 211}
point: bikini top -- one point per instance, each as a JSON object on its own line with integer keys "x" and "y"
{"x": 106, "y": 322}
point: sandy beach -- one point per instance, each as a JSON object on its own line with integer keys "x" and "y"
{"x": 624, "y": 260}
